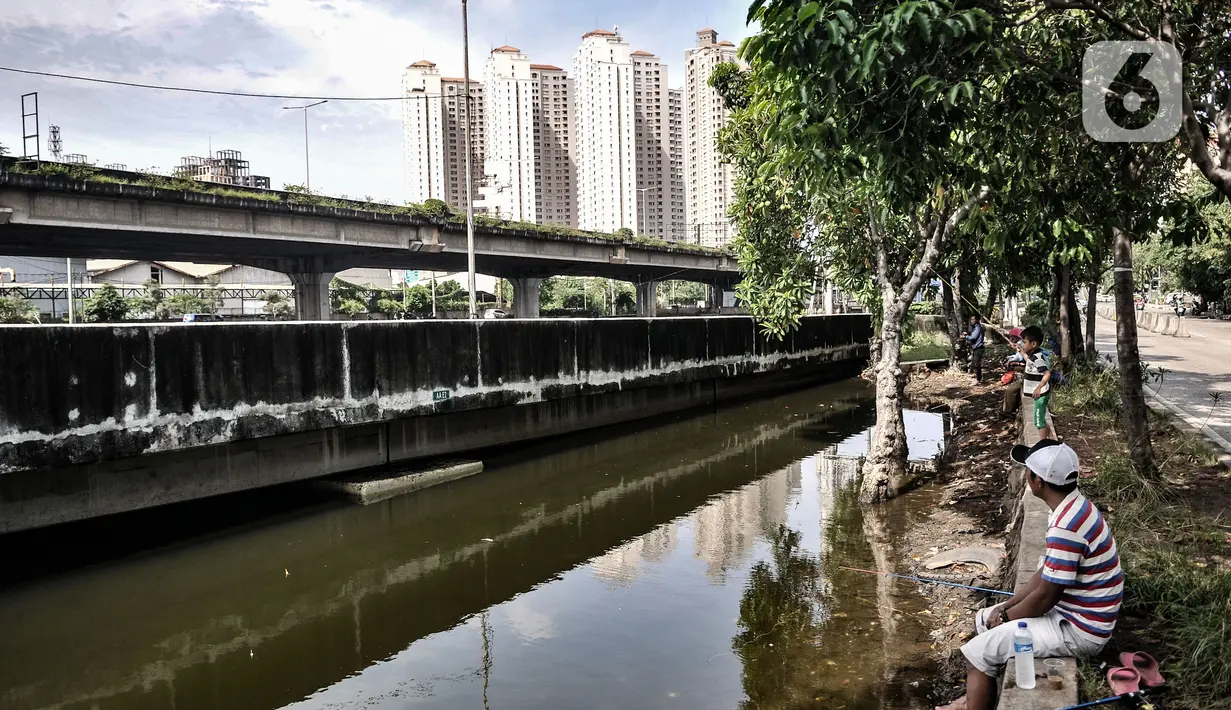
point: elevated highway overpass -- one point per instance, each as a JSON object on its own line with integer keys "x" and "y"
{"x": 43, "y": 215}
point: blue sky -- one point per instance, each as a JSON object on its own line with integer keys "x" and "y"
{"x": 309, "y": 47}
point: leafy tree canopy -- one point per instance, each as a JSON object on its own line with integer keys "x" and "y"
{"x": 106, "y": 305}
{"x": 15, "y": 309}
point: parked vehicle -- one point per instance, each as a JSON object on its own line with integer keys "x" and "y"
{"x": 202, "y": 318}
{"x": 495, "y": 313}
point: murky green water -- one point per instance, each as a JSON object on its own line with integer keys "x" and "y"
{"x": 695, "y": 564}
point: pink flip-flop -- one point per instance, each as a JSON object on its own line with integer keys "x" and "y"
{"x": 1123, "y": 680}
{"x": 1146, "y": 667}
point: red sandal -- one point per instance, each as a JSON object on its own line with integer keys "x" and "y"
{"x": 1146, "y": 667}
{"x": 1123, "y": 680}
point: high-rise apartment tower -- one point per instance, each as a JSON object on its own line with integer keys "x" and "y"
{"x": 434, "y": 139}
{"x": 605, "y": 142}
{"x": 707, "y": 179}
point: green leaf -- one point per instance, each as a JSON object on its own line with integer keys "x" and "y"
{"x": 920, "y": 80}
{"x": 845, "y": 18}
{"x": 835, "y": 35}
{"x": 869, "y": 55}
{"x": 753, "y": 10}
{"x": 808, "y": 10}
{"x": 925, "y": 26}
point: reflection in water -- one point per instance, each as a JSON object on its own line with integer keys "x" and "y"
{"x": 612, "y": 574}
{"x": 780, "y": 619}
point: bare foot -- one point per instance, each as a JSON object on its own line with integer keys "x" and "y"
{"x": 959, "y": 704}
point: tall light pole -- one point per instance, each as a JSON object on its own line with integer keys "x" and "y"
{"x": 307, "y": 169}
{"x": 469, "y": 161}
{"x": 69, "y": 282}
{"x": 641, "y": 228}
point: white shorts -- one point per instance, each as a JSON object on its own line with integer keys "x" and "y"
{"x": 1054, "y": 637}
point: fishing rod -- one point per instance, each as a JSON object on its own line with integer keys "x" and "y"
{"x": 931, "y": 581}
{"x": 1137, "y": 695}
{"x": 974, "y": 306}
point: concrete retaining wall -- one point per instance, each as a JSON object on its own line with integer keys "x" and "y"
{"x": 1161, "y": 323}
{"x": 99, "y": 419}
{"x": 1027, "y": 545}
{"x": 930, "y": 324}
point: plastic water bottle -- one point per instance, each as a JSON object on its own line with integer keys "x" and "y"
{"x": 1023, "y": 654}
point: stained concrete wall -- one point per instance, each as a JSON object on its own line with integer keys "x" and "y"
{"x": 99, "y": 419}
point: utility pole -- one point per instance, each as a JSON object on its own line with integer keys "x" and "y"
{"x": 69, "y": 290}
{"x": 469, "y": 161}
{"x": 307, "y": 169}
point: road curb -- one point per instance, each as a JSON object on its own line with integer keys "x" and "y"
{"x": 1161, "y": 402}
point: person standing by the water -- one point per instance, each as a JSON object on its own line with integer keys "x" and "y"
{"x": 974, "y": 338}
{"x": 1072, "y": 602}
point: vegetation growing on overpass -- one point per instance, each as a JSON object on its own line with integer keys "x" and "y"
{"x": 435, "y": 210}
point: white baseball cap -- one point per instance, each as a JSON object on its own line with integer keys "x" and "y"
{"x": 1050, "y": 460}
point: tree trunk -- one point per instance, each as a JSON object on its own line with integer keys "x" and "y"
{"x": 1091, "y": 315}
{"x": 953, "y": 317}
{"x": 1066, "y": 331}
{"x": 1136, "y": 419}
{"x": 993, "y": 295}
{"x": 884, "y": 471}
{"x": 959, "y": 308}
{"x": 1070, "y": 304}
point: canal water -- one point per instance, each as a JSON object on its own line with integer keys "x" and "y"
{"x": 689, "y": 563}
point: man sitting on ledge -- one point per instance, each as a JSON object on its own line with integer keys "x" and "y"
{"x": 1072, "y": 601}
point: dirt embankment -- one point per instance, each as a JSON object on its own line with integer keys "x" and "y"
{"x": 971, "y": 493}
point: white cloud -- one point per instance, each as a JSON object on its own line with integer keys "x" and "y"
{"x": 303, "y": 47}
{"x": 527, "y": 623}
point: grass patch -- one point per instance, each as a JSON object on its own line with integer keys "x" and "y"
{"x": 926, "y": 346}
{"x": 1089, "y": 392}
{"x": 1177, "y": 560}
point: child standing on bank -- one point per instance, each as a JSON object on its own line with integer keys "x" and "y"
{"x": 1036, "y": 382}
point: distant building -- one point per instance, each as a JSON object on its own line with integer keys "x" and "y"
{"x": 656, "y": 182}
{"x": 708, "y": 180}
{"x": 178, "y": 273}
{"x": 39, "y": 277}
{"x": 511, "y": 97}
{"x": 434, "y": 139}
{"x": 605, "y": 143}
{"x": 679, "y": 201}
{"x": 555, "y": 154}
{"x": 226, "y": 167}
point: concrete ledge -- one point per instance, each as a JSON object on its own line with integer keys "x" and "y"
{"x": 375, "y": 487}
{"x": 1027, "y": 547}
{"x": 941, "y": 364}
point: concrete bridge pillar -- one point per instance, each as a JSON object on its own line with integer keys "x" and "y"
{"x": 526, "y": 296}
{"x": 311, "y": 294}
{"x": 647, "y": 299}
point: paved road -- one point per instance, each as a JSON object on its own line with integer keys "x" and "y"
{"x": 1195, "y": 367}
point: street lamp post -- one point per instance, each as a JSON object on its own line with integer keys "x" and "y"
{"x": 641, "y": 229}
{"x": 469, "y": 161}
{"x": 307, "y": 170}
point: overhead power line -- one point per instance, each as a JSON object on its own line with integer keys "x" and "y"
{"x": 214, "y": 92}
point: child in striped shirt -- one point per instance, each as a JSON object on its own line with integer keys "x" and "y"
{"x": 1036, "y": 380}
{"x": 1072, "y": 602}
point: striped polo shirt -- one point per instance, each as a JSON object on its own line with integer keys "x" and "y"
{"x": 1082, "y": 557}
{"x": 1037, "y": 365}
